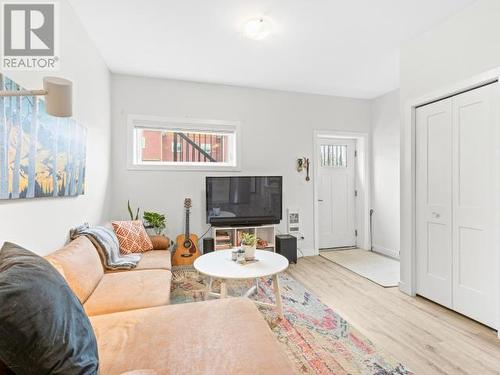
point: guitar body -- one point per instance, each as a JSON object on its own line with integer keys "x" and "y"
{"x": 186, "y": 250}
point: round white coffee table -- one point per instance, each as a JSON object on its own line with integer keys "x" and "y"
{"x": 219, "y": 265}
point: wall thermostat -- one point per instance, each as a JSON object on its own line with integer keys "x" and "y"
{"x": 293, "y": 223}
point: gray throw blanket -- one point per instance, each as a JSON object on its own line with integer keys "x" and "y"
{"x": 107, "y": 245}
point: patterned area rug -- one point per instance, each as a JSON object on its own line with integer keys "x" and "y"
{"x": 316, "y": 339}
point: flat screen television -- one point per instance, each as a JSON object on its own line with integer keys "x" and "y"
{"x": 253, "y": 200}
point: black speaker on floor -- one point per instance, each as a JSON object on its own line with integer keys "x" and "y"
{"x": 286, "y": 245}
{"x": 208, "y": 245}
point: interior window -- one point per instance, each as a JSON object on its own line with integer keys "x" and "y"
{"x": 156, "y": 146}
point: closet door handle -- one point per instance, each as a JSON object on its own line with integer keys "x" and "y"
{"x": 435, "y": 215}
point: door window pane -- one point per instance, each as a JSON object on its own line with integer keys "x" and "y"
{"x": 334, "y": 156}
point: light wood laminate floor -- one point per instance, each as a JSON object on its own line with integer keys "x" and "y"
{"x": 426, "y": 337}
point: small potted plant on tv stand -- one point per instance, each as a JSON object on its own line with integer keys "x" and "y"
{"x": 248, "y": 245}
{"x": 157, "y": 222}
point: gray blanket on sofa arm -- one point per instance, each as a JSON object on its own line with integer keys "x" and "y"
{"x": 106, "y": 243}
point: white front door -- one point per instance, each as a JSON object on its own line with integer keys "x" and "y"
{"x": 456, "y": 203}
{"x": 336, "y": 203}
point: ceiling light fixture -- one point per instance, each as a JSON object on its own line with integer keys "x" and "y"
{"x": 258, "y": 28}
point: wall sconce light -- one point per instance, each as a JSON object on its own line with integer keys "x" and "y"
{"x": 58, "y": 94}
{"x": 302, "y": 164}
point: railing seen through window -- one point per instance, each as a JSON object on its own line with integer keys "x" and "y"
{"x": 334, "y": 156}
{"x": 162, "y": 146}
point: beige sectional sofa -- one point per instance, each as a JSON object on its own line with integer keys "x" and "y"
{"x": 138, "y": 331}
{"x": 104, "y": 293}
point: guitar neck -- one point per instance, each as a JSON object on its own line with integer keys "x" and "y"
{"x": 187, "y": 223}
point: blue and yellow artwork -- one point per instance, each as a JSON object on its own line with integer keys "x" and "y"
{"x": 40, "y": 155}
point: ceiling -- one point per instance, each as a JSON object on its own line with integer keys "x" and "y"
{"x": 333, "y": 47}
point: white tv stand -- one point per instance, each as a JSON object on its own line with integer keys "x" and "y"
{"x": 226, "y": 238}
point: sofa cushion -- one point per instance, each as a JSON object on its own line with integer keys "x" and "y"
{"x": 130, "y": 290}
{"x": 54, "y": 263}
{"x": 132, "y": 236}
{"x": 81, "y": 266}
{"x": 151, "y": 260}
{"x": 155, "y": 259}
{"x": 218, "y": 337}
{"x": 43, "y": 328}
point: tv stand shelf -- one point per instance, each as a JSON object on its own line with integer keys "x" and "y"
{"x": 230, "y": 237}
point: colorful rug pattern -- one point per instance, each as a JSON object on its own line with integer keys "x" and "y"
{"x": 316, "y": 339}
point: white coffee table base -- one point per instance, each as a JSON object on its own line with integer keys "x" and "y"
{"x": 276, "y": 288}
{"x": 218, "y": 265}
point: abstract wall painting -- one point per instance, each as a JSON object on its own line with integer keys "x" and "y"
{"x": 40, "y": 155}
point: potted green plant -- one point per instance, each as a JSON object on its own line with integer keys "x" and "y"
{"x": 157, "y": 222}
{"x": 132, "y": 217}
{"x": 248, "y": 245}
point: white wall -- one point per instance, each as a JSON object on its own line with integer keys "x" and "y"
{"x": 277, "y": 129}
{"x": 385, "y": 173}
{"x": 464, "y": 45}
{"x": 43, "y": 224}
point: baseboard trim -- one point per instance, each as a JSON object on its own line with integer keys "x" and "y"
{"x": 387, "y": 252}
{"x": 305, "y": 252}
{"x": 405, "y": 288}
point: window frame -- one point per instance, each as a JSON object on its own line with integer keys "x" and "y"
{"x": 182, "y": 125}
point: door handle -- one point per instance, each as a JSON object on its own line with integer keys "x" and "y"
{"x": 435, "y": 215}
{"x": 320, "y": 200}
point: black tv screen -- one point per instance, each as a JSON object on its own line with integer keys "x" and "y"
{"x": 244, "y": 200}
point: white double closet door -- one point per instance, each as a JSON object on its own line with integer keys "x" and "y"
{"x": 457, "y": 174}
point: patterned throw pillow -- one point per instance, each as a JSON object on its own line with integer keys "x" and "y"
{"x": 132, "y": 236}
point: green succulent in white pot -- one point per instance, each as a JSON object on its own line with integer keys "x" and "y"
{"x": 248, "y": 245}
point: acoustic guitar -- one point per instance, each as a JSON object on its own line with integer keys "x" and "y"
{"x": 187, "y": 243}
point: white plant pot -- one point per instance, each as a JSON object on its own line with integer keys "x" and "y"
{"x": 249, "y": 251}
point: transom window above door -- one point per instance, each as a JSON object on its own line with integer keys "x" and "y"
{"x": 158, "y": 143}
{"x": 334, "y": 156}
